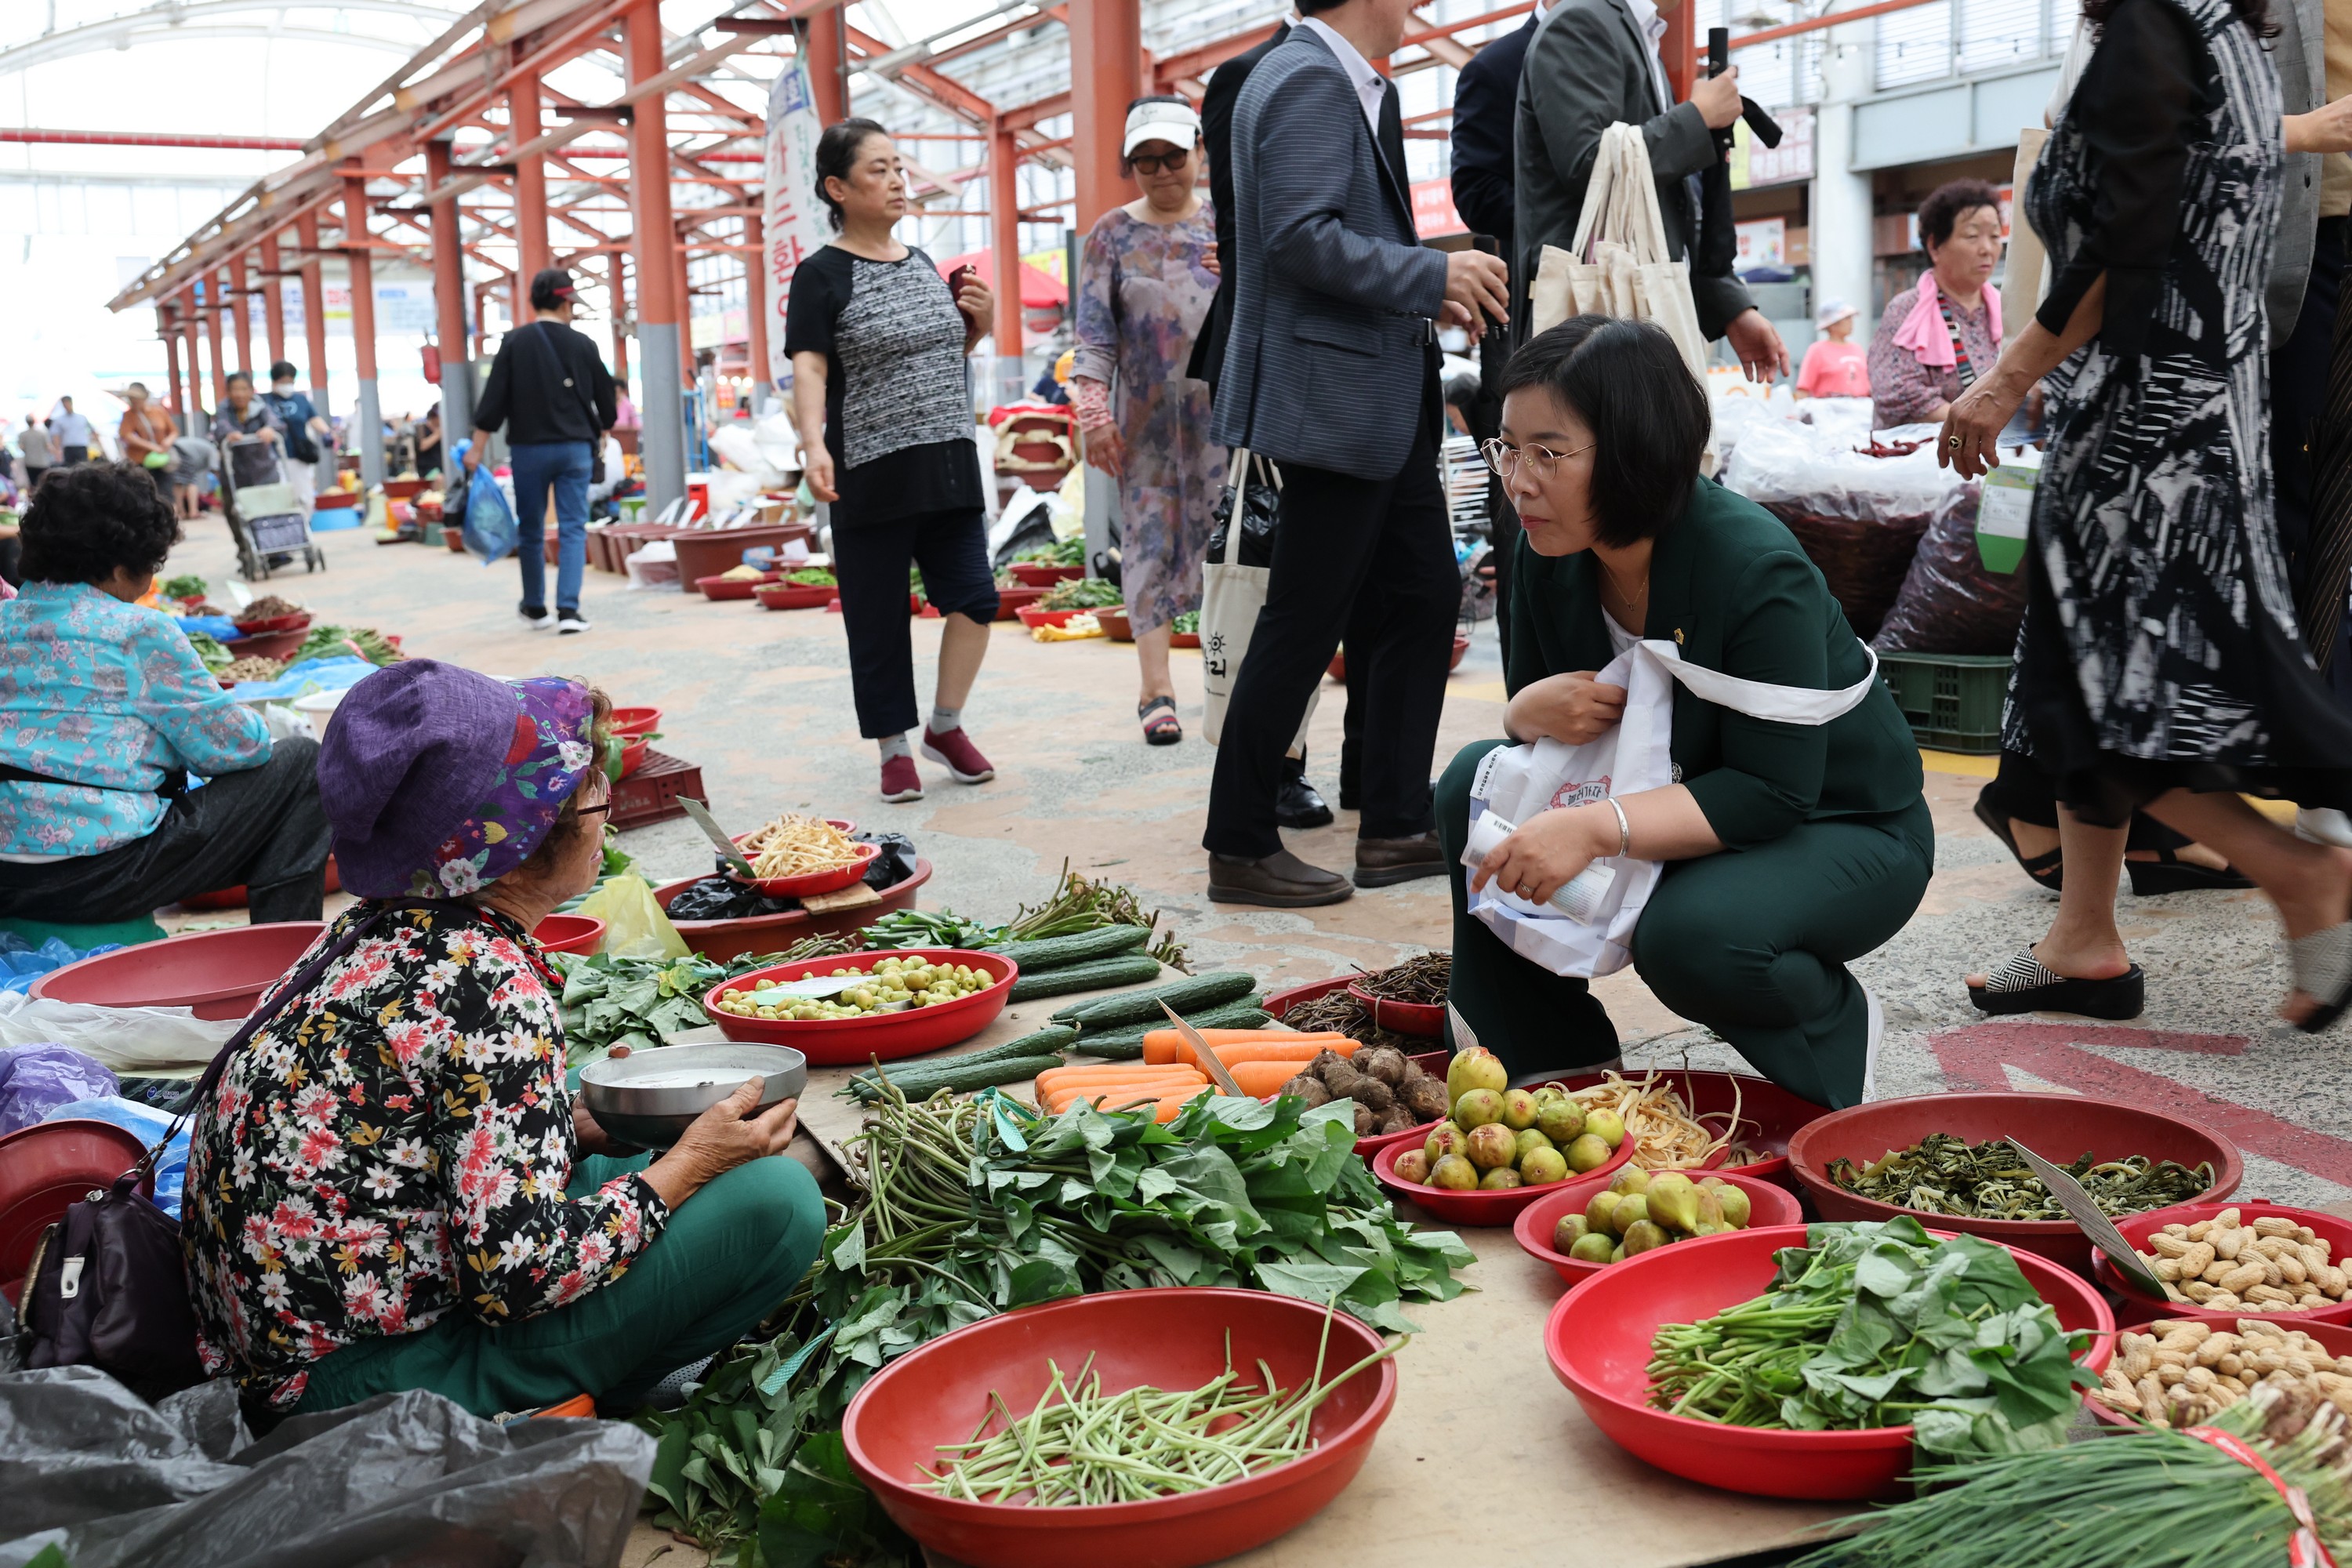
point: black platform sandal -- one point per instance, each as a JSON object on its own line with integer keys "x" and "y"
{"x": 2048, "y": 870}
{"x": 2025, "y": 985}
{"x": 1159, "y": 727}
{"x": 2169, "y": 873}
{"x": 2322, "y": 963}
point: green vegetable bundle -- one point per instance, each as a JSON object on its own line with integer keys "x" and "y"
{"x": 212, "y": 650}
{"x": 1186, "y": 623}
{"x": 185, "y": 587}
{"x": 813, "y": 577}
{"x": 328, "y": 642}
{"x": 1879, "y": 1324}
{"x": 903, "y": 929}
{"x": 634, "y": 1001}
{"x": 1082, "y": 593}
{"x": 1061, "y": 552}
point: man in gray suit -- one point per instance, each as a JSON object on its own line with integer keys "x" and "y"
{"x": 1593, "y": 64}
{"x": 1331, "y": 371}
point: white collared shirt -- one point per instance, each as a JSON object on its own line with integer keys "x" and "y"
{"x": 1370, "y": 86}
{"x": 1654, "y": 27}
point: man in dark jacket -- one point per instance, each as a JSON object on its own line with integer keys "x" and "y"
{"x": 550, "y": 381}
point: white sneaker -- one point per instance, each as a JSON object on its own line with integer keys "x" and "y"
{"x": 568, "y": 624}
{"x": 1876, "y": 1025}
{"x": 2323, "y": 825}
{"x": 538, "y": 622}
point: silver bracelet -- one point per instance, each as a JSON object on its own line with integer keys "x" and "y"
{"x": 1624, "y": 828}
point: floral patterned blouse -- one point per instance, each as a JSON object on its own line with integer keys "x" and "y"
{"x": 112, "y": 696}
{"x": 393, "y": 1146}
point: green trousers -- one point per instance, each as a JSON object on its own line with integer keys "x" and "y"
{"x": 729, "y": 1256}
{"x": 1753, "y": 944}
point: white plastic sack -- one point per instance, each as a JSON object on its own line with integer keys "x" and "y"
{"x": 1516, "y": 782}
{"x": 1069, "y": 504}
{"x": 129, "y": 1041}
{"x": 654, "y": 567}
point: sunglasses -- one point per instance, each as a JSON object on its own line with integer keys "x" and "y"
{"x": 1153, "y": 163}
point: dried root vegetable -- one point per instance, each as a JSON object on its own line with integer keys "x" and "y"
{"x": 2223, "y": 1264}
{"x": 1666, "y": 1134}
{"x": 2179, "y": 1373}
{"x": 795, "y": 846}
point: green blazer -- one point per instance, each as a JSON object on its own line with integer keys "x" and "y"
{"x": 1730, "y": 585}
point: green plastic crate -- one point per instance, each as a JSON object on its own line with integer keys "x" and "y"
{"x": 1953, "y": 701}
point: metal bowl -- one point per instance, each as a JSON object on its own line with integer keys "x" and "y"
{"x": 650, "y": 1098}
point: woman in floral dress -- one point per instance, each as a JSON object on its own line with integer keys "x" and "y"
{"x": 1145, "y": 285}
{"x": 392, "y": 1187}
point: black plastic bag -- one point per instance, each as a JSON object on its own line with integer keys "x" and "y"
{"x": 1261, "y": 500}
{"x": 894, "y": 865}
{"x": 1950, "y": 602}
{"x": 722, "y": 898}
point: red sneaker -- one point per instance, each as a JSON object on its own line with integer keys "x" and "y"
{"x": 900, "y": 781}
{"x": 955, "y": 752}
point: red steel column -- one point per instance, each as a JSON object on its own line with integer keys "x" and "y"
{"x": 828, "y": 81}
{"x": 167, "y": 327}
{"x": 240, "y": 317}
{"x": 314, "y": 308}
{"x": 1679, "y": 49}
{"x": 1105, "y": 75}
{"x": 755, "y": 308}
{"x": 1005, "y": 236}
{"x": 216, "y": 290}
{"x": 620, "y": 265}
{"x": 273, "y": 299}
{"x": 523, "y": 125}
{"x": 661, "y": 273}
{"x": 368, "y": 413}
{"x": 449, "y": 300}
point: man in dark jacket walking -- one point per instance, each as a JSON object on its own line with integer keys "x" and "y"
{"x": 549, "y": 380}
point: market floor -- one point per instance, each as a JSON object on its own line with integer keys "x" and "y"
{"x": 761, "y": 701}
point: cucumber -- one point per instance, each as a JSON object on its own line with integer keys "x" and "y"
{"x": 1095, "y": 974}
{"x": 912, "y": 1074}
{"x": 1143, "y": 1006}
{"x": 965, "y": 1074}
{"x": 1127, "y": 1043}
{"x": 1053, "y": 952}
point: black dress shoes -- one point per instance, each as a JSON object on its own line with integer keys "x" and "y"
{"x": 1383, "y": 862}
{"x": 1297, "y": 805}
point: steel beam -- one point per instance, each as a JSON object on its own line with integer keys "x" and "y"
{"x": 369, "y": 413}
{"x": 660, "y": 273}
{"x": 273, "y": 299}
{"x": 450, "y": 300}
{"x": 240, "y": 313}
{"x": 523, "y": 127}
{"x": 1105, "y": 75}
{"x": 1004, "y": 226}
{"x": 828, "y": 66}
{"x": 314, "y": 308}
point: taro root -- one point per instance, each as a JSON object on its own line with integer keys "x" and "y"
{"x": 1310, "y": 1090}
{"x": 1425, "y": 1098}
{"x": 1324, "y": 1062}
{"x": 1385, "y": 1063}
{"x": 1366, "y": 1123}
{"x": 1372, "y": 1091}
{"x": 1342, "y": 1079}
{"x": 1398, "y": 1120}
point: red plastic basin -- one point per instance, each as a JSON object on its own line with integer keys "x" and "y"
{"x": 2058, "y": 1127}
{"x": 1770, "y": 1115}
{"x": 214, "y": 973}
{"x": 1477, "y": 1206}
{"x": 1768, "y": 1204}
{"x": 774, "y": 933}
{"x": 1169, "y": 1338}
{"x": 722, "y": 587}
{"x": 1281, "y": 1002}
{"x": 835, "y": 1042}
{"x": 812, "y": 882}
{"x": 794, "y": 595}
{"x": 628, "y": 721}
{"x": 569, "y": 933}
{"x": 45, "y": 1170}
{"x": 1039, "y": 574}
{"x": 1033, "y": 617}
{"x": 1423, "y": 1019}
{"x": 269, "y": 623}
{"x": 2133, "y": 1307}
{"x": 632, "y": 753}
{"x": 1598, "y": 1339}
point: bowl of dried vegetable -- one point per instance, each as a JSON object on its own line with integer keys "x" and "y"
{"x": 2242, "y": 1260}
{"x": 1945, "y": 1156}
{"x": 1409, "y": 998}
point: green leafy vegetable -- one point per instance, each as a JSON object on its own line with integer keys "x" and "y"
{"x": 813, "y": 577}
{"x": 903, "y": 929}
{"x": 214, "y": 654}
{"x": 634, "y": 1001}
{"x": 186, "y": 587}
{"x": 1945, "y": 1175}
{"x": 1187, "y": 622}
{"x": 1061, "y": 552}
{"x": 1081, "y": 594}
{"x": 336, "y": 642}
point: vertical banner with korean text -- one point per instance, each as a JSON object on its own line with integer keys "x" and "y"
{"x": 790, "y": 204}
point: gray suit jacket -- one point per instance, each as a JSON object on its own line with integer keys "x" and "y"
{"x": 1590, "y": 67}
{"x": 1330, "y": 353}
{"x": 2300, "y": 52}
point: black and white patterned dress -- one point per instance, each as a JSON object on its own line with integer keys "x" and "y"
{"x": 2160, "y": 647}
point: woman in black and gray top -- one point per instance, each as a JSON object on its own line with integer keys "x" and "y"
{"x": 878, "y": 346}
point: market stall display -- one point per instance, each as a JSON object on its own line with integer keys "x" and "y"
{"x": 1394, "y": 1095}
{"x": 1661, "y": 1109}
{"x": 610, "y": 1001}
{"x": 2299, "y": 1256}
{"x": 1408, "y": 998}
{"x": 735, "y": 936}
{"x": 1952, "y": 601}
{"x": 1943, "y": 1174}
{"x": 1554, "y": 1228}
{"x": 1474, "y": 1203}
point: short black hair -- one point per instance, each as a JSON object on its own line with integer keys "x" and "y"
{"x": 236, "y": 375}
{"x": 1940, "y": 212}
{"x": 86, "y": 521}
{"x": 1315, "y": 7}
{"x": 1648, "y": 414}
{"x": 551, "y": 287}
{"x": 837, "y": 154}
{"x": 282, "y": 370}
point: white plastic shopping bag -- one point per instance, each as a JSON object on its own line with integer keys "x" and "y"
{"x": 1515, "y": 783}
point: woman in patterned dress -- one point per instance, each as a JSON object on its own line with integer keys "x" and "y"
{"x": 2160, "y": 665}
{"x": 1145, "y": 286}
{"x": 392, "y": 1187}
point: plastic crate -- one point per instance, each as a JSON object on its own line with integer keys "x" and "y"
{"x": 1952, "y": 702}
{"x": 651, "y": 793}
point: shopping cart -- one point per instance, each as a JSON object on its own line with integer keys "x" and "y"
{"x": 265, "y": 516}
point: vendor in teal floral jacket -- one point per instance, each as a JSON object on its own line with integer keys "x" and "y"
{"x": 106, "y": 711}
{"x": 392, "y": 1188}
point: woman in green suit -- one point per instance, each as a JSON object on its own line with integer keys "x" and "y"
{"x": 1790, "y": 849}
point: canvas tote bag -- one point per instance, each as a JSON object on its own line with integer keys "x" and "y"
{"x": 1515, "y": 783}
{"x": 1231, "y": 594}
{"x": 1618, "y": 264}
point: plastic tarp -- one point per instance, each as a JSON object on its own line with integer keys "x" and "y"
{"x": 126, "y": 1040}
{"x": 338, "y": 674}
{"x": 404, "y": 1478}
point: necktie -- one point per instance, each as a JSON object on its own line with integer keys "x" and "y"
{"x": 1391, "y": 136}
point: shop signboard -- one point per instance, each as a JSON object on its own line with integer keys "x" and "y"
{"x": 790, "y": 204}
{"x": 1754, "y": 165}
{"x": 1761, "y": 242}
{"x": 1433, "y": 210}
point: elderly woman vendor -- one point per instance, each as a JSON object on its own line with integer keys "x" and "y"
{"x": 387, "y": 1192}
{"x": 1790, "y": 849}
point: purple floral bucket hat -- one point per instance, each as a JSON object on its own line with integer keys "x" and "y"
{"x": 439, "y": 780}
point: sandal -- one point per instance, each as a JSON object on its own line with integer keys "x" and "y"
{"x": 2169, "y": 873}
{"x": 2025, "y": 985}
{"x": 1160, "y": 729}
{"x": 2322, "y": 963}
{"x": 2046, "y": 870}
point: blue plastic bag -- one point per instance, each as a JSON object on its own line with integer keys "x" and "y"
{"x": 149, "y": 1124}
{"x": 36, "y": 1079}
{"x": 490, "y": 530}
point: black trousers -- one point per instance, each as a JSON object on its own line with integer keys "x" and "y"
{"x": 870, "y": 559}
{"x": 263, "y": 827}
{"x": 1371, "y": 559}
{"x": 70, "y": 456}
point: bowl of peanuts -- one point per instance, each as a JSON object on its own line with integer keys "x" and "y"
{"x": 2226, "y": 1261}
{"x": 2177, "y": 1372}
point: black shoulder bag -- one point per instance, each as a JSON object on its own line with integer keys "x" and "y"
{"x": 587, "y": 402}
{"x": 108, "y": 1284}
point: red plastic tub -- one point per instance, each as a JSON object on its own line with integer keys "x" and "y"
{"x": 1597, "y": 1340}
{"x": 45, "y": 1170}
{"x": 1420, "y": 1018}
{"x": 722, "y": 587}
{"x": 1033, "y": 617}
{"x": 629, "y": 722}
{"x": 236, "y": 897}
{"x": 2058, "y": 1127}
{"x": 569, "y": 933}
{"x": 1768, "y": 1115}
{"x": 1183, "y": 639}
{"x": 1476, "y": 1207}
{"x": 782, "y": 596}
{"x": 269, "y": 645}
{"x": 269, "y": 623}
{"x": 1038, "y": 575}
{"x": 1281, "y": 1002}
{"x": 811, "y": 883}
{"x": 632, "y": 753}
{"x": 214, "y": 973}
{"x": 1011, "y": 602}
{"x": 836, "y": 1042}
{"x": 1169, "y": 1338}
{"x": 2132, "y": 1307}
{"x": 773, "y": 934}
{"x": 1768, "y": 1204}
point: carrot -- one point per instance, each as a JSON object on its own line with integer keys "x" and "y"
{"x": 1166, "y": 1106}
{"x": 1122, "y": 1086}
{"x": 1168, "y": 1046}
{"x": 1262, "y": 1078}
{"x": 1119, "y": 1072}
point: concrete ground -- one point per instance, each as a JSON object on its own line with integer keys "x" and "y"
{"x": 761, "y": 700}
